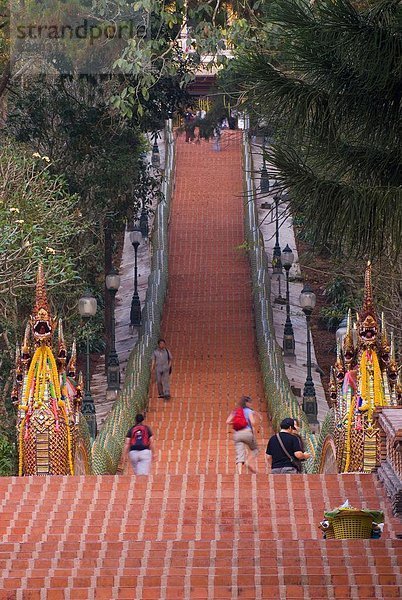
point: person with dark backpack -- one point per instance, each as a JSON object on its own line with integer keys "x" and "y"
{"x": 138, "y": 446}
{"x": 242, "y": 420}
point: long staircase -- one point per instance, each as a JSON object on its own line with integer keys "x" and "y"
{"x": 194, "y": 528}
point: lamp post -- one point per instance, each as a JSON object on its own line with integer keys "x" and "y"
{"x": 264, "y": 180}
{"x": 276, "y": 256}
{"x": 135, "y": 312}
{"x": 155, "y": 157}
{"x": 341, "y": 331}
{"x": 307, "y": 302}
{"x": 288, "y": 335}
{"x": 87, "y": 307}
{"x": 113, "y": 365}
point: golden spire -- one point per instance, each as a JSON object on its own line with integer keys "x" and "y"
{"x": 384, "y": 336}
{"x": 368, "y": 306}
{"x": 62, "y": 353}
{"x": 40, "y": 292}
{"x": 26, "y": 350}
{"x": 71, "y": 367}
{"x": 18, "y": 365}
{"x": 392, "y": 350}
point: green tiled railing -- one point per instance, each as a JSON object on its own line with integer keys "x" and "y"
{"x": 133, "y": 398}
{"x": 280, "y": 399}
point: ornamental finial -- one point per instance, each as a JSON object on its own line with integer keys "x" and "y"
{"x": 41, "y": 320}
{"x": 368, "y": 305}
{"x": 72, "y": 363}
{"x": 62, "y": 353}
{"x": 368, "y": 324}
{"x": 26, "y": 348}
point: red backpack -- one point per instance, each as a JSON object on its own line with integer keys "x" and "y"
{"x": 239, "y": 420}
{"x": 140, "y": 436}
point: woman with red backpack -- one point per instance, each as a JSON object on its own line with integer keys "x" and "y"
{"x": 242, "y": 420}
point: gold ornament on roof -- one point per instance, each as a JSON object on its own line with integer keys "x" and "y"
{"x": 48, "y": 404}
{"x": 364, "y": 379}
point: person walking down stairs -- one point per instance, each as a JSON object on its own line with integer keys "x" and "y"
{"x": 162, "y": 363}
{"x": 243, "y": 421}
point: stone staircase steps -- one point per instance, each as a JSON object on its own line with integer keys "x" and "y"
{"x": 194, "y": 529}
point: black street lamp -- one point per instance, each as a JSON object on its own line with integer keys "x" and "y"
{"x": 87, "y": 307}
{"x": 264, "y": 180}
{"x": 307, "y": 302}
{"x": 135, "y": 312}
{"x": 288, "y": 335}
{"x": 277, "y": 254}
{"x": 155, "y": 157}
{"x": 113, "y": 365}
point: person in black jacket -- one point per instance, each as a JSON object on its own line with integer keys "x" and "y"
{"x": 283, "y": 448}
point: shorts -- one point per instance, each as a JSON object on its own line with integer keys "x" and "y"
{"x": 243, "y": 439}
{"x": 140, "y": 461}
{"x": 284, "y": 470}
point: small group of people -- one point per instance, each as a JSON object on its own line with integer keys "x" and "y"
{"x": 190, "y": 123}
{"x": 284, "y": 453}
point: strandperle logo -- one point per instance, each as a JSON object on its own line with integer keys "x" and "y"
{"x": 71, "y": 37}
{"x": 85, "y": 31}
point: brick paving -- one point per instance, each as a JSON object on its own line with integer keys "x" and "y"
{"x": 208, "y": 318}
{"x": 194, "y": 529}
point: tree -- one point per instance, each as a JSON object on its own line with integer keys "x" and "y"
{"x": 96, "y": 149}
{"x": 333, "y": 92}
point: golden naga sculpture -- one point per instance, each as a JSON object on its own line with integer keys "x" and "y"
{"x": 47, "y": 397}
{"x": 364, "y": 378}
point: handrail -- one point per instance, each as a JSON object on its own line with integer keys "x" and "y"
{"x": 280, "y": 398}
{"x": 108, "y": 445}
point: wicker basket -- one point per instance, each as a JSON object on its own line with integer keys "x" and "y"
{"x": 352, "y": 524}
{"x": 330, "y": 533}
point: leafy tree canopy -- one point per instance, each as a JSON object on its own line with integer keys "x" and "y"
{"x": 329, "y": 78}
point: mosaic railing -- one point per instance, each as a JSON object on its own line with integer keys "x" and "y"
{"x": 133, "y": 398}
{"x": 280, "y": 399}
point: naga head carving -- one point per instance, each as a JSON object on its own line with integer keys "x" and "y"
{"x": 333, "y": 388}
{"x": 42, "y": 323}
{"x": 368, "y": 322}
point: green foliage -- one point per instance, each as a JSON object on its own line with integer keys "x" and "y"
{"x": 70, "y": 121}
{"x": 340, "y": 298}
{"x": 39, "y": 220}
{"x": 333, "y": 92}
{"x": 7, "y": 457}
